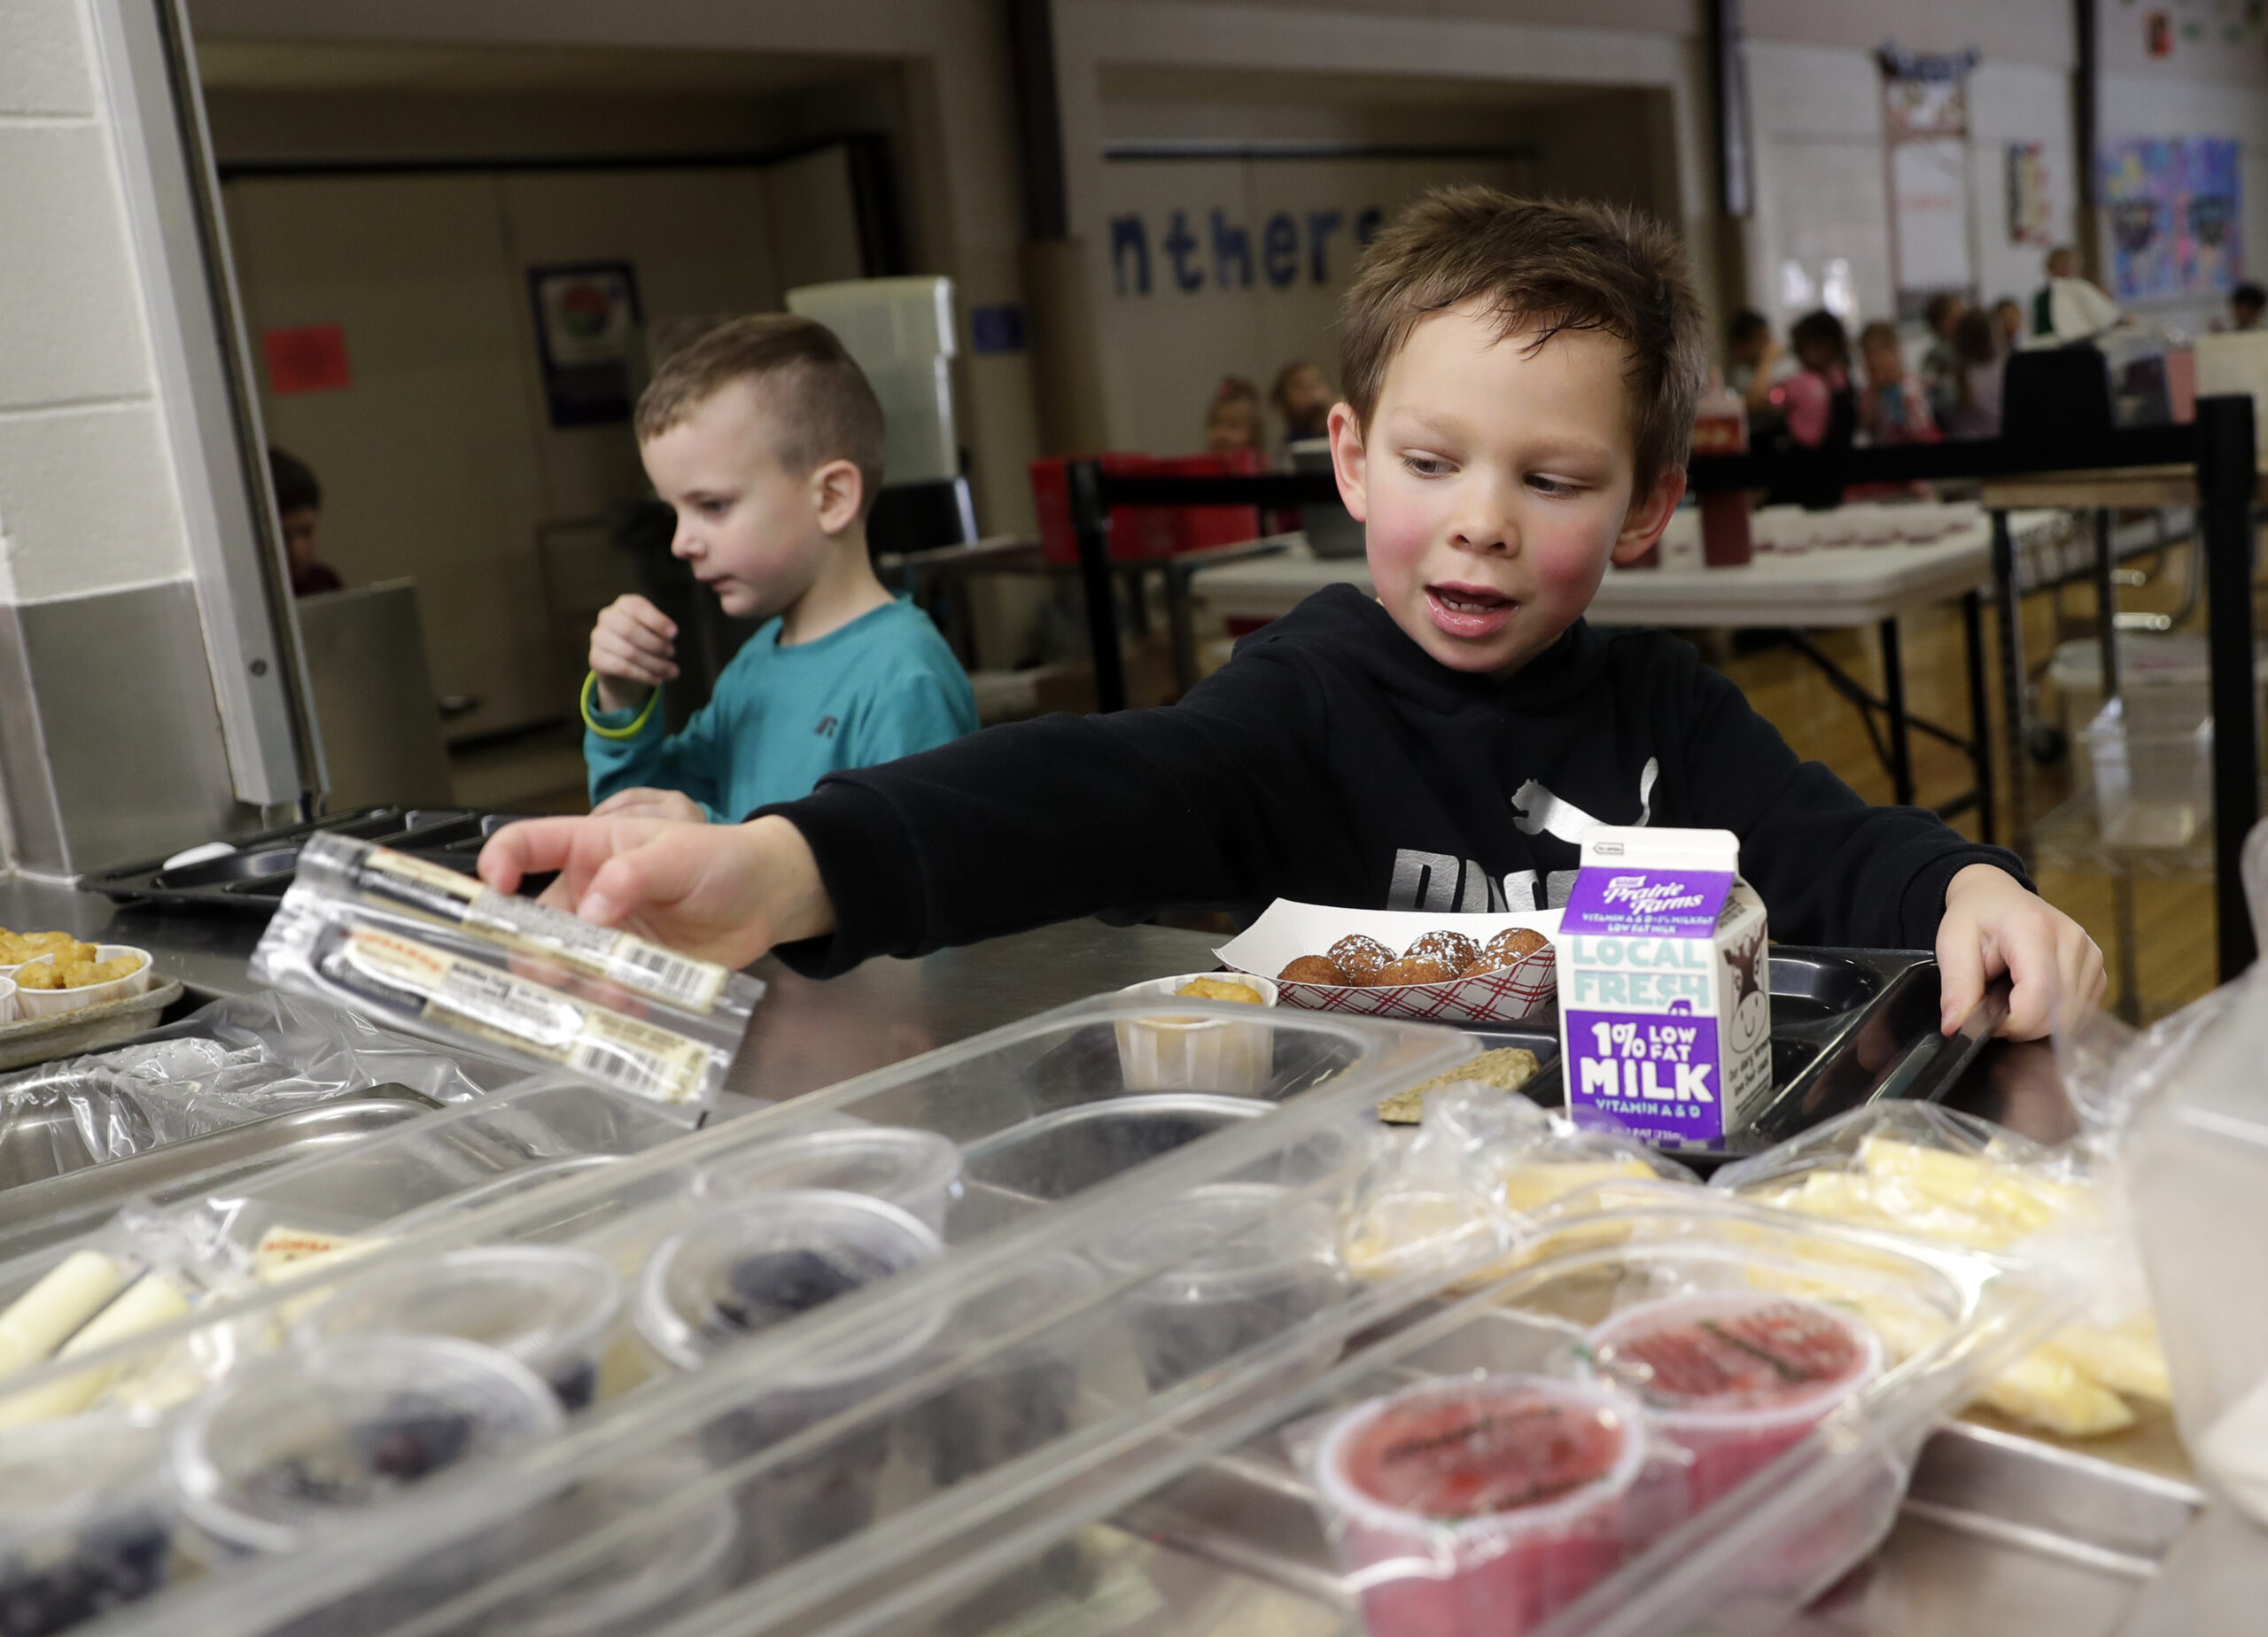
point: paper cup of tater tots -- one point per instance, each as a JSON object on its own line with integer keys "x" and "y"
{"x": 7, "y": 1000}
{"x": 46, "y": 993}
{"x": 1186, "y": 1053}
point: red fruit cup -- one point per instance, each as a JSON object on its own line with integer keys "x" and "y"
{"x": 1734, "y": 1378}
{"x": 1480, "y": 1505}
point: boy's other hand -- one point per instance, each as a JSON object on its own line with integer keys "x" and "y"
{"x": 726, "y": 892}
{"x": 633, "y": 651}
{"x": 1993, "y": 925}
{"x": 644, "y": 803}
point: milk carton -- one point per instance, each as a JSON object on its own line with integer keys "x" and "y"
{"x": 1664, "y": 987}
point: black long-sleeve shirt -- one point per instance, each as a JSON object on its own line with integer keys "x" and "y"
{"x": 1334, "y": 761}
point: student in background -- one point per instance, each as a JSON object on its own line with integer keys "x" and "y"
{"x": 1822, "y": 410}
{"x": 1750, "y": 351}
{"x": 1303, "y": 397}
{"x": 766, "y": 440}
{"x": 1940, "y": 365}
{"x": 1232, "y": 419}
{"x": 1894, "y": 408}
{"x": 2068, "y": 307}
{"x": 2008, "y": 325}
{"x": 1977, "y": 395}
{"x": 2246, "y": 303}
{"x": 298, "y": 506}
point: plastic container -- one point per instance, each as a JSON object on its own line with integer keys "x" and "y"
{"x": 1835, "y": 527}
{"x": 549, "y": 1306}
{"x": 1735, "y": 1380}
{"x": 660, "y": 1566}
{"x": 1073, "y": 1149}
{"x": 2150, "y": 754}
{"x": 918, "y": 1171}
{"x": 1480, "y": 1505}
{"x": 1166, "y": 1053}
{"x": 86, "y": 1521}
{"x": 1726, "y": 541}
{"x": 1247, "y": 1262}
{"x": 289, "y": 1446}
{"x": 34, "y": 1003}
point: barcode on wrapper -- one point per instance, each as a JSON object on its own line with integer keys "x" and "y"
{"x": 693, "y": 984}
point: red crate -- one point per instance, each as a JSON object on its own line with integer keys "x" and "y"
{"x": 1145, "y": 530}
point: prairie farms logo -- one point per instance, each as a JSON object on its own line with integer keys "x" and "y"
{"x": 1643, "y": 896}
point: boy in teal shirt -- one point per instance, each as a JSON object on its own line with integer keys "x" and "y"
{"x": 766, "y": 440}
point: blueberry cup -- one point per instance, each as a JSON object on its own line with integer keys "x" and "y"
{"x": 1023, "y": 1397}
{"x": 291, "y": 1446}
{"x": 547, "y": 1306}
{"x": 86, "y": 1521}
{"x": 1244, "y": 1264}
{"x": 1059, "y": 1154}
{"x": 918, "y": 1171}
{"x": 745, "y": 1270}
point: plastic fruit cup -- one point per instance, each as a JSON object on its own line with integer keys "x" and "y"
{"x": 1241, "y": 1264}
{"x": 548, "y": 1306}
{"x": 1480, "y": 1504}
{"x": 1734, "y": 1378}
{"x": 1170, "y": 1053}
{"x": 676, "y": 1554}
{"x": 1057, "y": 1155}
{"x": 763, "y": 1263}
{"x": 917, "y": 1171}
{"x": 294, "y": 1443}
{"x": 85, "y": 1524}
{"x": 31, "y": 1003}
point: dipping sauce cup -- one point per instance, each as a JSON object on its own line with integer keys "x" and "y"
{"x": 549, "y": 1306}
{"x": 1479, "y": 1504}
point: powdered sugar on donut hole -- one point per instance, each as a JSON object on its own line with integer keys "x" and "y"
{"x": 1504, "y": 994}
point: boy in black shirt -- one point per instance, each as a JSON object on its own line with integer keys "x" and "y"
{"x": 1521, "y": 383}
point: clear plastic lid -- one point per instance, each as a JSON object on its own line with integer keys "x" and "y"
{"x": 1736, "y": 1357}
{"x": 1227, "y": 1240}
{"x": 756, "y": 1265}
{"x": 915, "y": 1170}
{"x": 1486, "y": 1455}
{"x": 662, "y": 1559}
{"x": 547, "y": 1306}
{"x": 298, "y": 1439}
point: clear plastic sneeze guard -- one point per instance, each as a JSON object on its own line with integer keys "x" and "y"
{"x": 828, "y": 1405}
{"x": 423, "y": 948}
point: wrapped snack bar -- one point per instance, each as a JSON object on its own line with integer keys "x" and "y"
{"x": 422, "y": 949}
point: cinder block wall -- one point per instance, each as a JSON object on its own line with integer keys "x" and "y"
{"x": 109, "y": 738}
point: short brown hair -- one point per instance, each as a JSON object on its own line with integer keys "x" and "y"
{"x": 1548, "y": 264}
{"x": 829, "y": 409}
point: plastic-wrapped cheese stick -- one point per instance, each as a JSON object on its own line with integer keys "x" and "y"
{"x": 39, "y": 1320}
{"x": 353, "y": 869}
{"x": 151, "y": 1300}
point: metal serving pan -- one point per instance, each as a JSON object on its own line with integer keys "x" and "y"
{"x": 40, "y": 1203}
{"x": 255, "y": 877}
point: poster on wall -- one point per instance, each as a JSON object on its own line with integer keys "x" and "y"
{"x": 1925, "y": 130}
{"x": 2032, "y": 215}
{"x": 2170, "y": 206}
{"x": 587, "y": 322}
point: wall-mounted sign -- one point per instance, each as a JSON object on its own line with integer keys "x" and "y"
{"x": 2032, "y": 212}
{"x": 2170, "y": 206}
{"x": 1925, "y": 128}
{"x": 587, "y": 321}
{"x": 305, "y": 358}
{"x": 1220, "y": 252}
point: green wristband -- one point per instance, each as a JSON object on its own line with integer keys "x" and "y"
{"x": 590, "y": 688}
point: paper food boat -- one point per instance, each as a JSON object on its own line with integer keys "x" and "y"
{"x": 1290, "y": 930}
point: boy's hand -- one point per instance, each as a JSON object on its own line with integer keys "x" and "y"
{"x": 633, "y": 650}
{"x": 726, "y": 892}
{"x": 644, "y": 803}
{"x": 1991, "y": 925}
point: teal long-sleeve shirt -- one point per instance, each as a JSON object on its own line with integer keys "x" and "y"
{"x": 882, "y": 687}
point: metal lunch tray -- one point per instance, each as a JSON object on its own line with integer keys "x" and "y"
{"x": 255, "y": 877}
{"x": 39, "y": 1205}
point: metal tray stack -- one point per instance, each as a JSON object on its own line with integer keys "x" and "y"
{"x": 255, "y": 877}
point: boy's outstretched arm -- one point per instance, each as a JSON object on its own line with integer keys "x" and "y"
{"x": 1992, "y": 924}
{"x": 726, "y": 892}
